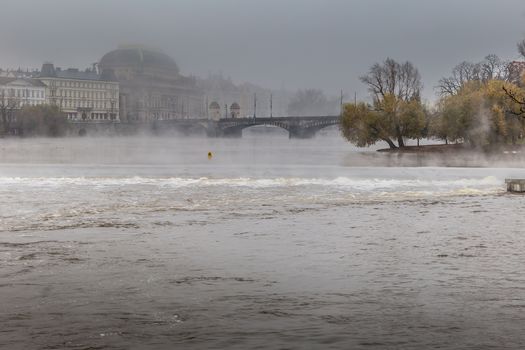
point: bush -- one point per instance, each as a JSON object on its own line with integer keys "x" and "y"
{"x": 43, "y": 120}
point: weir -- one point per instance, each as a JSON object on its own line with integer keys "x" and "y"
{"x": 515, "y": 185}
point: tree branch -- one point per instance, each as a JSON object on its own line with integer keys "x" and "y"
{"x": 515, "y": 99}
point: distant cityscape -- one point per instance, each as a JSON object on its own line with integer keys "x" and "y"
{"x": 136, "y": 84}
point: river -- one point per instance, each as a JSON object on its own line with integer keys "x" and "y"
{"x": 145, "y": 243}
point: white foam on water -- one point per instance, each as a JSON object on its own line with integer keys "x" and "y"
{"x": 461, "y": 185}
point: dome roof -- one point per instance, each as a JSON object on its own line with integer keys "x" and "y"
{"x": 235, "y": 105}
{"x": 138, "y": 58}
{"x": 214, "y": 105}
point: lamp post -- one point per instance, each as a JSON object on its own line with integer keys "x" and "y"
{"x": 254, "y": 106}
{"x": 207, "y": 108}
{"x": 112, "y": 115}
{"x": 341, "y": 104}
{"x": 271, "y": 105}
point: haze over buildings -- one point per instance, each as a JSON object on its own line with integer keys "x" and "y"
{"x": 270, "y": 43}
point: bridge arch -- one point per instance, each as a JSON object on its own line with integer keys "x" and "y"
{"x": 266, "y": 130}
{"x": 308, "y": 131}
{"x": 236, "y": 130}
{"x": 183, "y": 126}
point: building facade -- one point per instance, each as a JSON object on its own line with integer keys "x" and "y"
{"x": 83, "y": 96}
{"x": 16, "y": 93}
{"x": 214, "y": 111}
{"x": 151, "y": 86}
{"x": 235, "y": 110}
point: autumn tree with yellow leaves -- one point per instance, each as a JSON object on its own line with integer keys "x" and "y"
{"x": 479, "y": 114}
{"x": 396, "y": 111}
{"x": 517, "y": 95}
{"x": 481, "y": 110}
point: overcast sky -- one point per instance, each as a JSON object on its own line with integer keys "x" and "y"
{"x": 293, "y": 44}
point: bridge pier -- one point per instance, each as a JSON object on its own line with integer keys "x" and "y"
{"x": 232, "y": 133}
{"x": 212, "y": 131}
{"x": 83, "y": 129}
{"x": 300, "y": 133}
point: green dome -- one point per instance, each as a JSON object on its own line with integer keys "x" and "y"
{"x": 139, "y": 59}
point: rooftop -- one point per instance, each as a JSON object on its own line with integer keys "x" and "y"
{"x": 49, "y": 71}
{"x": 20, "y": 81}
{"x": 139, "y": 58}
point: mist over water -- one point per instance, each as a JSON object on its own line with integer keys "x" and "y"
{"x": 142, "y": 242}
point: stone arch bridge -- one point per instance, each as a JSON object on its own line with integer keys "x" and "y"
{"x": 297, "y": 127}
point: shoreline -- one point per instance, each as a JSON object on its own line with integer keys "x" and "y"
{"x": 458, "y": 148}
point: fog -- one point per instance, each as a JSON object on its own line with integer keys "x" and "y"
{"x": 261, "y": 152}
{"x": 160, "y": 238}
{"x": 276, "y": 44}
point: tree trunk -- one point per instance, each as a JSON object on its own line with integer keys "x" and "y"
{"x": 391, "y": 144}
{"x": 3, "y": 126}
{"x": 400, "y": 141}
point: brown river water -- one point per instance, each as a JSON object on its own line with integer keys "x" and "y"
{"x": 144, "y": 243}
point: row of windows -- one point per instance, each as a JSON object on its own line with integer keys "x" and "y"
{"x": 92, "y": 116}
{"x": 164, "y": 116}
{"x": 22, "y": 103}
{"x": 27, "y": 93}
{"x": 31, "y": 103}
{"x": 83, "y": 94}
{"x": 85, "y": 104}
{"x": 79, "y": 84}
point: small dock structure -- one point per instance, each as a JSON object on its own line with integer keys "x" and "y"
{"x": 515, "y": 185}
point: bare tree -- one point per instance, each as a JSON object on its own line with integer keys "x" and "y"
{"x": 521, "y": 47}
{"x": 513, "y": 96}
{"x": 491, "y": 68}
{"x": 8, "y": 104}
{"x": 396, "y": 90}
{"x": 494, "y": 68}
{"x": 311, "y": 102}
{"x": 519, "y": 101}
{"x": 401, "y": 80}
{"x": 461, "y": 74}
